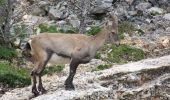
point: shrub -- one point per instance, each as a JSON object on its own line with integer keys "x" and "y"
{"x": 125, "y": 53}
{"x": 11, "y": 76}
{"x": 94, "y": 30}
{"x": 7, "y": 53}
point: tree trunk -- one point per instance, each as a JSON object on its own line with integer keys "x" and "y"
{"x": 7, "y": 22}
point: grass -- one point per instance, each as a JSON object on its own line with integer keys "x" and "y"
{"x": 53, "y": 69}
{"x": 7, "y": 53}
{"x": 124, "y": 54}
{"x": 101, "y": 67}
{"x": 55, "y": 29}
{"x": 11, "y": 76}
{"x": 94, "y": 30}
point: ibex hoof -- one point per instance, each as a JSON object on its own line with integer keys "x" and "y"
{"x": 35, "y": 92}
{"x": 69, "y": 87}
{"x": 42, "y": 90}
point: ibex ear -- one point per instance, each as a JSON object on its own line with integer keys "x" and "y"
{"x": 112, "y": 16}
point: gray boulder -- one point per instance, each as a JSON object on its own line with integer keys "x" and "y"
{"x": 102, "y": 6}
{"x": 59, "y": 11}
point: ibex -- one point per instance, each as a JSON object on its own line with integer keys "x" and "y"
{"x": 76, "y": 48}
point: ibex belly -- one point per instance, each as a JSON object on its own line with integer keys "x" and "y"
{"x": 56, "y": 59}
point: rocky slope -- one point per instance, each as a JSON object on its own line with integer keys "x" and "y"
{"x": 146, "y": 79}
{"x": 150, "y": 19}
{"x": 143, "y": 80}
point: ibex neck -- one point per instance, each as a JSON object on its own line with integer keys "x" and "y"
{"x": 99, "y": 39}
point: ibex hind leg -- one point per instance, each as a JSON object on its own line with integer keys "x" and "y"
{"x": 69, "y": 81}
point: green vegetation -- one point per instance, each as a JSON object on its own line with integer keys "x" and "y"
{"x": 155, "y": 13}
{"x": 20, "y": 30}
{"x": 101, "y": 67}
{"x": 47, "y": 28}
{"x": 53, "y": 69}
{"x": 7, "y": 53}
{"x": 94, "y": 30}
{"x": 98, "y": 55}
{"x": 125, "y": 27}
{"x": 54, "y": 29}
{"x": 125, "y": 53}
{"x": 11, "y": 76}
{"x": 2, "y": 2}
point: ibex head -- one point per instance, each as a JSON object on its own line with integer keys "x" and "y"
{"x": 112, "y": 28}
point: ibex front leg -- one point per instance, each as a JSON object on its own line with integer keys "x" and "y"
{"x": 43, "y": 58}
{"x": 34, "y": 82}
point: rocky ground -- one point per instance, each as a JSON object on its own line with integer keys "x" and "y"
{"x": 143, "y": 80}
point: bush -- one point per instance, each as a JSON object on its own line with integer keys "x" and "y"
{"x": 125, "y": 53}
{"x": 7, "y": 53}
{"x": 101, "y": 67}
{"x": 94, "y": 30}
{"x": 11, "y": 76}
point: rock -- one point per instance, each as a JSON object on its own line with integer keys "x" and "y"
{"x": 17, "y": 42}
{"x": 34, "y": 20}
{"x": 129, "y": 1}
{"x": 38, "y": 12}
{"x": 167, "y": 16}
{"x": 155, "y": 11}
{"x": 102, "y": 7}
{"x": 74, "y": 21}
{"x": 165, "y": 41}
{"x": 61, "y": 23}
{"x": 59, "y": 11}
{"x": 143, "y": 6}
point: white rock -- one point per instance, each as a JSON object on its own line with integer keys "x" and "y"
{"x": 167, "y": 16}
{"x": 156, "y": 10}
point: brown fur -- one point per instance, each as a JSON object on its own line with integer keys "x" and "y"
{"x": 79, "y": 48}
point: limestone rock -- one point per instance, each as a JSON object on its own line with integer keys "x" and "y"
{"x": 59, "y": 11}
{"x": 155, "y": 10}
{"x": 143, "y": 6}
{"x": 102, "y": 6}
{"x": 167, "y": 16}
{"x": 74, "y": 21}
